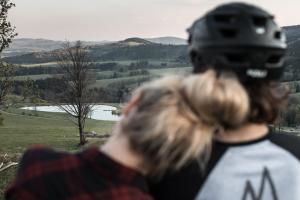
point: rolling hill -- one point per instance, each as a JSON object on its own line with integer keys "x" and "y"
{"x": 293, "y": 53}
{"x": 27, "y": 45}
{"x": 292, "y": 33}
{"x": 23, "y": 46}
{"x": 136, "y": 49}
{"x": 129, "y": 49}
{"x": 168, "y": 40}
{"x": 135, "y": 41}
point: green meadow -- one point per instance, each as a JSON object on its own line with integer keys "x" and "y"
{"x": 23, "y": 129}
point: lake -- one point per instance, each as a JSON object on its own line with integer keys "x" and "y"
{"x": 99, "y": 112}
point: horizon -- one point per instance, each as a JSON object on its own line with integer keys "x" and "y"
{"x": 98, "y": 40}
{"x": 112, "y": 20}
{"x": 121, "y": 39}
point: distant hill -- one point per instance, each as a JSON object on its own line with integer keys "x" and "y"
{"x": 293, "y": 40}
{"x": 292, "y": 33}
{"x": 129, "y": 49}
{"x": 138, "y": 49}
{"x": 293, "y": 53}
{"x": 28, "y": 45}
{"x": 168, "y": 40}
{"x": 164, "y": 48}
{"x": 135, "y": 41}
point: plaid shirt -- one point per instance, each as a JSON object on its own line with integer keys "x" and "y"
{"x": 46, "y": 174}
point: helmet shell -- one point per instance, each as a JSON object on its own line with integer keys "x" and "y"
{"x": 238, "y": 37}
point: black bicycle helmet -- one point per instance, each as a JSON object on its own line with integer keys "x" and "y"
{"x": 238, "y": 37}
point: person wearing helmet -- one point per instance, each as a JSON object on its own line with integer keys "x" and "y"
{"x": 239, "y": 42}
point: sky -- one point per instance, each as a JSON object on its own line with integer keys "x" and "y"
{"x": 97, "y": 20}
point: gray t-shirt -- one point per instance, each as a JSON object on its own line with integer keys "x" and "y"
{"x": 265, "y": 169}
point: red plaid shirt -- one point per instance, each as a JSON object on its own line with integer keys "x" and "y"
{"x": 46, "y": 174}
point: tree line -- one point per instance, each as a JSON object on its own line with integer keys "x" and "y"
{"x": 7, "y": 33}
{"x": 133, "y": 67}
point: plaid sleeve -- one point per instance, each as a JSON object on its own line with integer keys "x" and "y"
{"x": 117, "y": 193}
{"x": 20, "y": 193}
{"x": 128, "y": 193}
{"x": 49, "y": 175}
{"x": 24, "y": 187}
{"x": 135, "y": 194}
{"x": 32, "y": 156}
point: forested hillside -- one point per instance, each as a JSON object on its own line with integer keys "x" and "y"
{"x": 137, "y": 49}
{"x": 129, "y": 49}
{"x": 293, "y": 53}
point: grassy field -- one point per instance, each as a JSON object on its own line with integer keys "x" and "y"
{"x": 49, "y": 64}
{"x": 168, "y": 71}
{"x": 23, "y": 129}
{"x": 105, "y": 82}
{"x": 151, "y": 62}
{"x": 120, "y": 62}
{"x": 33, "y": 77}
{"x": 153, "y": 73}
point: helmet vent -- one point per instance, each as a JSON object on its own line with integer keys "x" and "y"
{"x": 228, "y": 33}
{"x": 259, "y": 21}
{"x": 236, "y": 58}
{"x": 223, "y": 18}
{"x": 277, "y": 35}
{"x": 274, "y": 59}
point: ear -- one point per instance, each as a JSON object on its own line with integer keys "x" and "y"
{"x": 133, "y": 103}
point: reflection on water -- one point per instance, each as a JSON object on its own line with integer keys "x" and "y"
{"x": 99, "y": 112}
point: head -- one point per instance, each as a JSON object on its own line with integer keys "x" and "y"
{"x": 244, "y": 40}
{"x": 162, "y": 128}
{"x": 167, "y": 121}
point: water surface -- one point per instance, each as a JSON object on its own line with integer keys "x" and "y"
{"x": 99, "y": 112}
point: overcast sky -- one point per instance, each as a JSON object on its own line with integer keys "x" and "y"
{"x": 119, "y": 19}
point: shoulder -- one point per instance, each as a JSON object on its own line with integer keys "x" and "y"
{"x": 36, "y": 168}
{"x": 290, "y": 143}
{"x": 41, "y": 159}
{"x": 39, "y": 154}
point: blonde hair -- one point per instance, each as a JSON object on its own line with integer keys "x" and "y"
{"x": 220, "y": 101}
{"x": 176, "y": 118}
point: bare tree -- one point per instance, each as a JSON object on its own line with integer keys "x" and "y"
{"x": 75, "y": 63}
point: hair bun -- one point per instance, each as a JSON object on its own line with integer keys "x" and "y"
{"x": 217, "y": 100}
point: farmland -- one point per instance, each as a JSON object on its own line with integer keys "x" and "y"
{"x": 23, "y": 129}
{"x": 116, "y": 70}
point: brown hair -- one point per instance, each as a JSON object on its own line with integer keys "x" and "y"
{"x": 266, "y": 100}
{"x": 176, "y": 118}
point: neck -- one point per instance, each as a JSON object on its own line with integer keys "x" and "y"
{"x": 246, "y": 133}
{"x": 117, "y": 148}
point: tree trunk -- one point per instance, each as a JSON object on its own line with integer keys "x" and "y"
{"x": 81, "y": 134}
{"x": 1, "y": 119}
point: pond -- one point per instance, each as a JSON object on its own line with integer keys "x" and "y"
{"x": 99, "y": 112}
